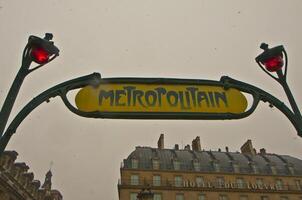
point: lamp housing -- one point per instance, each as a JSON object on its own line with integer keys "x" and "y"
{"x": 271, "y": 58}
{"x": 41, "y": 50}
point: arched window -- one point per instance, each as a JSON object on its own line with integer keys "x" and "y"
{"x": 134, "y": 163}
{"x": 273, "y": 169}
{"x": 236, "y": 168}
{"x": 176, "y": 165}
{"x": 291, "y": 169}
{"x": 196, "y": 165}
{"x": 216, "y": 166}
{"x": 155, "y": 163}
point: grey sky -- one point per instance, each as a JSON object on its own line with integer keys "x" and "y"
{"x": 143, "y": 38}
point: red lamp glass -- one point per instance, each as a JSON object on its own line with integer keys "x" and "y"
{"x": 271, "y": 58}
{"x": 39, "y": 55}
{"x": 273, "y": 64}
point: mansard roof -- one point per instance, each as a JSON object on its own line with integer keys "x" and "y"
{"x": 205, "y": 160}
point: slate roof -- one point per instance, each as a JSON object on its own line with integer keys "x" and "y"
{"x": 248, "y": 164}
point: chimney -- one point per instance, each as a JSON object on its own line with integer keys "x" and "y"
{"x": 262, "y": 151}
{"x": 176, "y": 147}
{"x": 187, "y": 147}
{"x": 247, "y": 148}
{"x": 160, "y": 142}
{"x": 196, "y": 144}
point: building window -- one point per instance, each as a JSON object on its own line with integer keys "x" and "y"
{"x": 157, "y": 197}
{"x": 279, "y": 184}
{"x": 298, "y": 184}
{"x": 201, "y": 197}
{"x": 220, "y": 182}
{"x": 196, "y": 165}
{"x": 236, "y": 168}
{"x": 179, "y": 197}
{"x": 223, "y": 197}
{"x": 134, "y": 163}
{"x": 264, "y": 198}
{"x": 178, "y": 181}
{"x": 156, "y": 180}
{"x": 155, "y": 164}
{"x": 291, "y": 170}
{"x": 199, "y": 181}
{"x": 133, "y": 196}
{"x": 240, "y": 183}
{"x": 134, "y": 179}
{"x": 216, "y": 166}
{"x": 274, "y": 170}
{"x": 243, "y": 197}
{"x": 259, "y": 183}
{"x": 176, "y": 164}
{"x": 255, "y": 169}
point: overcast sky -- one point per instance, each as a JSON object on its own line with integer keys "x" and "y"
{"x": 143, "y": 38}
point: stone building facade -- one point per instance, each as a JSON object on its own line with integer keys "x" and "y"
{"x": 16, "y": 183}
{"x": 196, "y": 174}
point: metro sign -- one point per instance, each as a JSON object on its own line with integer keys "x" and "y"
{"x": 157, "y": 98}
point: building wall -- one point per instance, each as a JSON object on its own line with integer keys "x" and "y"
{"x": 174, "y": 174}
{"x": 210, "y": 188}
{"x": 16, "y": 183}
{"x": 214, "y": 195}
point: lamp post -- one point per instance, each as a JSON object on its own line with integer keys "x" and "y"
{"x": 145, "y": 194}
{"x": 274, "y": 60}
{"x": 38, "y": 50}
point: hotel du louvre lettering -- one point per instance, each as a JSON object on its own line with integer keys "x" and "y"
{"x": 249, "y": 186}
{"x": 157, "y": 98}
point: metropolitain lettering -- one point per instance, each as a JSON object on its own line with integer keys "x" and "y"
{"x": 186, "y": 99}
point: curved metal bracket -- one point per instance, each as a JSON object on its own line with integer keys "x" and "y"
{"x": 265, "y": 97}
{"x": 58, "y": 90}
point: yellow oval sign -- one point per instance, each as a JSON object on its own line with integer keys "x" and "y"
{"x": 160, "y": 98}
